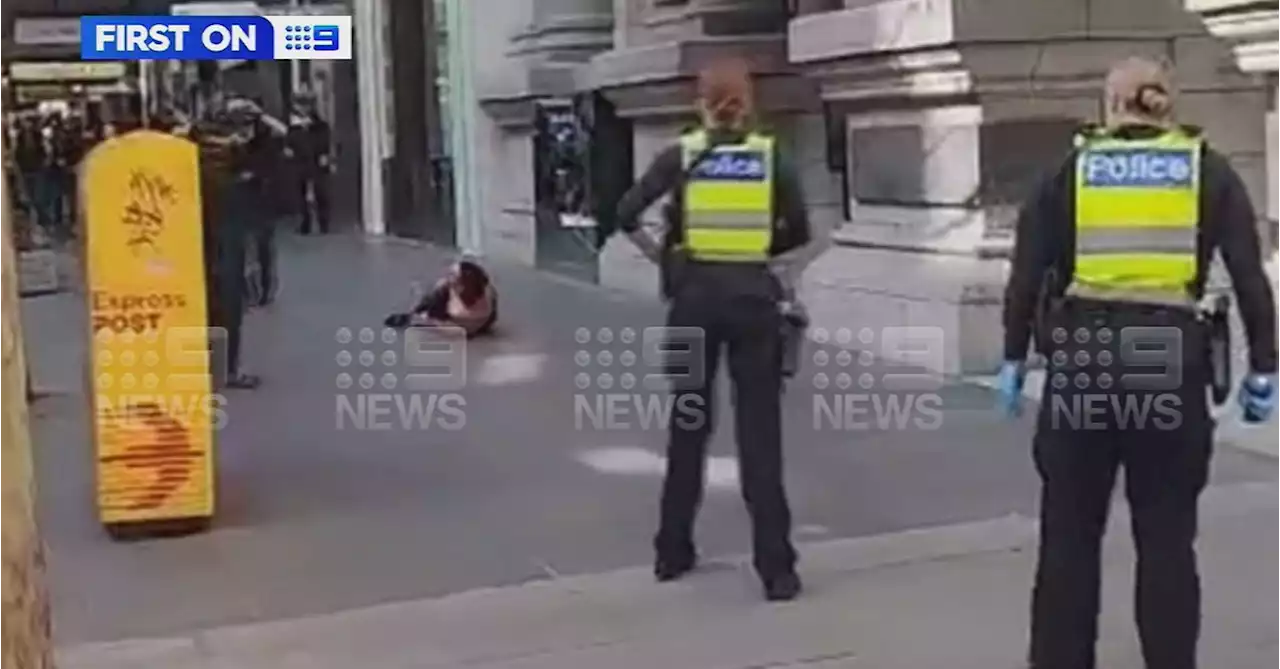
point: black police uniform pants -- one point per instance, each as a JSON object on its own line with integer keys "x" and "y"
{"x": 1165, "y": 466}
{"x": 750, "y": 330}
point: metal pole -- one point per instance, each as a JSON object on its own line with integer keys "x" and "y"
{"x": 144, "y": 91}
{"x": 369, "y": 84}
{"x": 295, "y": 69}
{"x": 462, "y": 110}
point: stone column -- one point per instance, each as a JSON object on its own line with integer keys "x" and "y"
{"x": 570, "y": 30}
{"x": 1250, "y": 30}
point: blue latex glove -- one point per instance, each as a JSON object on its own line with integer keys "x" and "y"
{"x": 1009, "y": 388}
{"x": 1257, "y": 397}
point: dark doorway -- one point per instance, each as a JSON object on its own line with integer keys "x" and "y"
{"x": 582, "y": 164}
{"x": 344, "y": 185}
{"x": 417, "y": 185}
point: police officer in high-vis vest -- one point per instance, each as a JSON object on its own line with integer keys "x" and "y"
{"x": 1108, "y": 278}
{"x": 736, "y": 208}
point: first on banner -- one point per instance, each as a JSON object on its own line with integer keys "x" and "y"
{"x": 215, "y": 38}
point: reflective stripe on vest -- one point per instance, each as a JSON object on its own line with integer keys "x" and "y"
{"x": 1137, "y": 218}
{"x": 728, "y": 199}
{"x": 1141, "y": 296}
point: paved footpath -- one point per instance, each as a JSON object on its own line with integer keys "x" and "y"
{"x": 413, "y": 547}
{"x": 953, "y": 597}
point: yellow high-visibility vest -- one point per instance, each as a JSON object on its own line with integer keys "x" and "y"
{"x": 728, "y": 199}
{"x": 1137, "y": 218}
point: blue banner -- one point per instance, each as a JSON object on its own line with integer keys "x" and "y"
{"x": 731, "y": 165}
{"x": 177, "y": 38}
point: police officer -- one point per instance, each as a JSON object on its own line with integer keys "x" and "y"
{"x": 1108, "y": 271}
{"x": 736, "y": 206}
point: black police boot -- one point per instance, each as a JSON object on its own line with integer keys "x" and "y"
{"x": 782, "y": 588}
{"x": 665, "y": 569}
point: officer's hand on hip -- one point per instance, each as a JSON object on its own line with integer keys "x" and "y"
{"x": 1258, "y": 397}
{"x": 1009, "y": 384}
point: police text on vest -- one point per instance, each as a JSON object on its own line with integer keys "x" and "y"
{"x": 1138, "y": 168}
{"x": 732, "y": 165}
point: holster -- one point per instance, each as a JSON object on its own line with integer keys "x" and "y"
{"x": 672, "y": 270}
{"x": 795, "y": 320}
{"x": 1217, "y": 320}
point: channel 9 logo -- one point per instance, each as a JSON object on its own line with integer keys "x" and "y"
{"x": 885, "y": 379}
{"x": 408, "y": 380}
{"x": 624, "y": 374}
{"x": 1104, "y": 379}
{"x": 165, "y": 371}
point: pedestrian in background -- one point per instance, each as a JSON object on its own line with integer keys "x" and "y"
{"x": 226, "y": 175}
{"x": 261, "y": 186}
{"x": 308, "y": 147}
{"x": 50, "y": 182}
{"x": 29, "y": 160}
{"x": 1118, "y": 242}
{"x": 736, "y": 207}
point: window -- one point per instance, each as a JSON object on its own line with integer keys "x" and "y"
{"x": 914, "y": 165}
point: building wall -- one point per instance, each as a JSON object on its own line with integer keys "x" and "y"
{"x": 621, "y": 265}
{"x": 503, "y": 158}
{"x": 1273, "y": 147}
{"x": 946, "y": 113}
{"x": 50, "y": 41}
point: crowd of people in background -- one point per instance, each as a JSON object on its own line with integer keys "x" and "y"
{"x": 45, "y": 146}
{"x": 257, "y": 173}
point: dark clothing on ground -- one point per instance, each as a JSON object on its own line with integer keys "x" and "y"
{"x": 736, "y": 308}
{"x": 435, "y": 306}
{"x": 1046, "y": 242}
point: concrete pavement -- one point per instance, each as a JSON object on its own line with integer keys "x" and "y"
{"x": 316, "y": 519}
{"x": 952, "y": 597}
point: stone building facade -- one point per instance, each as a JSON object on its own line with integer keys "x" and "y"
{"x": 919, "y": 124}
